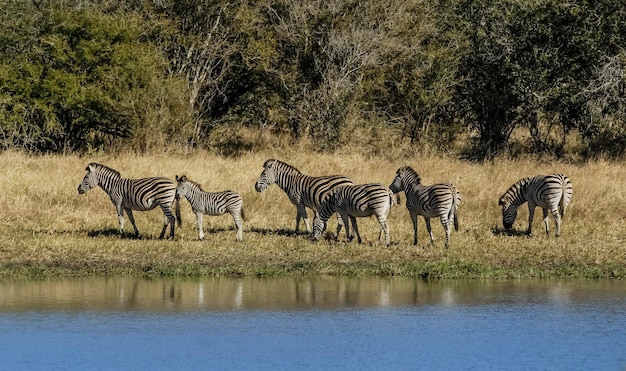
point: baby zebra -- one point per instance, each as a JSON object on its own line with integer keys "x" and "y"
{"x": 211, "y": 203}
{"x": 354, "y": 201}
{"x": 437, "y": 200}
{"x": 551, "y": 192}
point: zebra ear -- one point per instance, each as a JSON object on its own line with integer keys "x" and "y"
{"x": 177, "y": 179}
{"x": 90, "y": 167}
{"x": 501, "y": 202}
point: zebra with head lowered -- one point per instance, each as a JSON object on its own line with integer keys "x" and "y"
{"x": 437, "y": 200}
{"x": 352, "y": 201}
{"x": 133, "y": 194}
{"x": 211, "y": 203}
{"x": 303, "y": 190}
{"x": 550, "y": 192}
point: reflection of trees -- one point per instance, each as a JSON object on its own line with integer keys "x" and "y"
{"x": 285, "y": 293}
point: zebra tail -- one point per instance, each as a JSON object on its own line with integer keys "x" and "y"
{"x": 455, "y": 207}
{"x": 456, "y": 222}
{"x": 563, "y": 195}
{"x": 243, "y": 214}
{"x": 179, "y": 220}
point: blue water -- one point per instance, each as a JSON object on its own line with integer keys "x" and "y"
{"x": 517, "y": 327}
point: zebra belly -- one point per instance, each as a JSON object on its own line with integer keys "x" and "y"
{"x": 145, "y": 205}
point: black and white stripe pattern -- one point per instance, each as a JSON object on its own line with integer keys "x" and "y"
{"x": 437, "y": 200}
{"x": 552, "y": 193}
{"x": 133, "y": 194}
{"x": 354, "y": 201}
{"x": 211, "y": 203}
{"x": 303, "y": 191}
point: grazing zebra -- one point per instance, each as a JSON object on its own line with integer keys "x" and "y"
{"x": 551, "y": 192}
{"x": 354, "y": 201}
{"x": 437, "y": 200}
{"x": 133, "y": 194}
{"x": 303, "y": 191}
{"x": 211, "y": 203}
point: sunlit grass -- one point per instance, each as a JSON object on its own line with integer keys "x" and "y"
{"x": 49, "y": 229}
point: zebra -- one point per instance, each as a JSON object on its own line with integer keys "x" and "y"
{"x": 551, "y": 192}
{"x": 352, "y": 201}
{"x": 211, "y": 203}
{"x": 303, "y": 190}
{"x": 437, "y": 200}
{"x": 133, "y": 194}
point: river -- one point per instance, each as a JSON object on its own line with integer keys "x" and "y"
{"x": 312, "y": 323}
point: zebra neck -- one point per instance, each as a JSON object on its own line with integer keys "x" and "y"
{"x": 110, "y": 185}
{"x": 518, "y": 194}
{"x": 288, "y": 180}
{"x": 413, "y": 187}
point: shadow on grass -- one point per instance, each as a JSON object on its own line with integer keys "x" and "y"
{"x": 113, "y": 232}
{"x": 278, "y": 232}
{"x": 498, "y": 231}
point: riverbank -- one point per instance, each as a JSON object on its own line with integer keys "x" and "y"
{"x": 49, "y": 230}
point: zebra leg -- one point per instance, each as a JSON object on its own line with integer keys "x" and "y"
{"x": 199, "y": 215}
{"x": 545, "y": 221}
{"x": 414, "y": 221}
{"x": 557, "y": 222}
{"x": 168, "y": 219}
{"x": 430, "y": 231}
{"x": 301, "y": 214}
{"x": 339, "y": 224}
{"x": 446, "y": 228}
{"x": 384, "y": 228}
{"x": 120, "y": 219}
{"x": 531, "y": 216}
{"x": 237, "y": 218}
{"x": 356, "y": 229}
{"x": 129, "y": 212}
{"x": 347, "y": 220}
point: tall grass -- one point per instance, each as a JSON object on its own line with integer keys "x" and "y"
{"x": 49, "y": 229}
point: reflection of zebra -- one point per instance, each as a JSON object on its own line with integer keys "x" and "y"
{"x": 437, "y": 200}
{"x": 550, "y": 192}
{"x": 211, "y": 203}
{"x": 354, "y": 201}
{"x": 133, "y": 194}
{"x": 303, "y": 191}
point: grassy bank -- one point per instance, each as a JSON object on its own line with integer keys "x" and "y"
{"x": 49, "y": 229}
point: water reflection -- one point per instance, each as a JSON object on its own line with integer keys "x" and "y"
{"x": 283, "y": 294}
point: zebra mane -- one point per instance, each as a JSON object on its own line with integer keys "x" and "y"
{"x": 282, "y": 164}
{"x": 410, "y": 174}
{"x": 184, "y": 178}
{"x": 100, "y": 167}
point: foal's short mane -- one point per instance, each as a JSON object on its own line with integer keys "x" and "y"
{"x": 187, "y": 180}
{"x": 412, "y": 173}
{"x": 103, "y": 167}
{"x": 290, "y": 168}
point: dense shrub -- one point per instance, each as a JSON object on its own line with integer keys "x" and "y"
{"x": 455, "y": 75}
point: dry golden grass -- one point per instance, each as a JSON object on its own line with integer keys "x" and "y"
{"x": 49, "y": 229}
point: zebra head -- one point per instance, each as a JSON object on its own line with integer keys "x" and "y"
{"x": 183, "y": 188}
{"x": 90, "y": 180}
{"x": 267, "y": 177}
{"x": 405, "y": 176}
{"x": 509, "y": 213}
{"x": 319, "y": 226}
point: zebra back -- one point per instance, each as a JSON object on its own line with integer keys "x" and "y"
{"x": 308, "y": 190}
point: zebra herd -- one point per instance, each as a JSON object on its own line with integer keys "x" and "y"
{"x": 326, "y": 195}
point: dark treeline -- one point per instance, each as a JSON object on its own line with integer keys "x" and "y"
{"x": 84, "y": 75}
